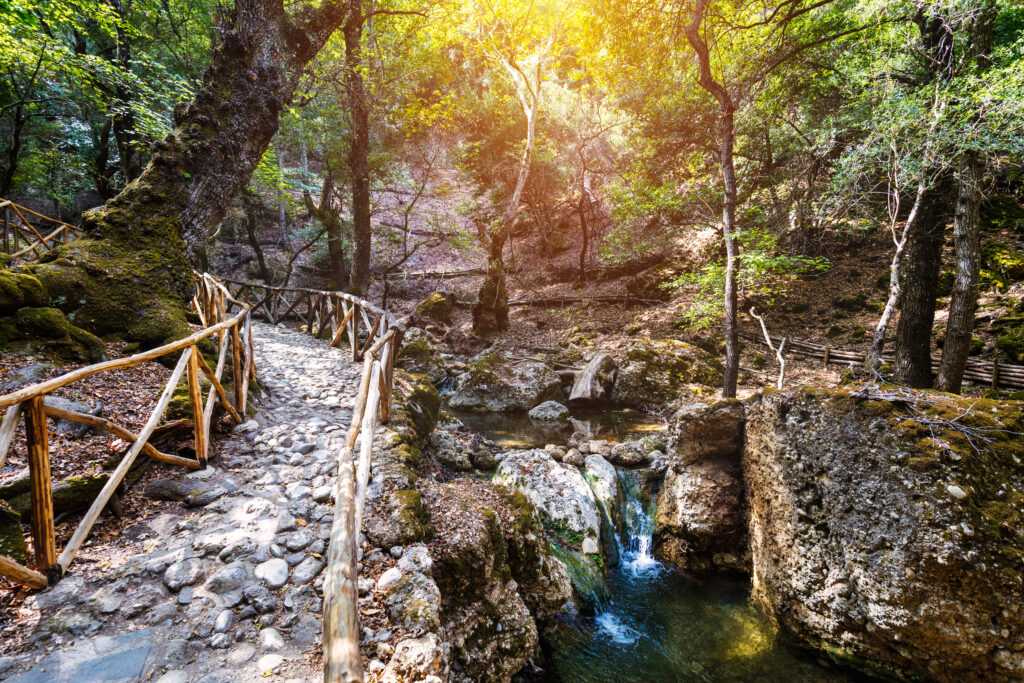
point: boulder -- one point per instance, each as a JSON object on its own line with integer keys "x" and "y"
{"x": 494, "y": 384}
{"x": 550, "y": 411}
{"x": 593, "y": 384}
{"x": 419, "y": 399}
{"x": 12, "y": 537}
{"x": 558, "y": 490}
{"x": 449, "y": 452}
{"x": 628, "y": 454}
{"x": 886, "y": 537}
{"x": 399, "y": 519}
{"x": 437, "y": 306}
{"x": 497, "y": 578}
{"x": 657, "y": 372}
{"x": 701, "y": 520}
{"x": 417, "y": 659}
{"x": 699, "y": 432}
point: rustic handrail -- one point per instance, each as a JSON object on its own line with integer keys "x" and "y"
{"x": 211, "y": 304}
{"x": 24, "y": 230}
{"x": 993, "y": 373}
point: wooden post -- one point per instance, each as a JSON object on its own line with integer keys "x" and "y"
{"x": 195, "y": 398}
{"x": 23, "y": 575}
{"x": 389, "y": 376}
{"x": 353, "y": 333}
{"x": 43, "y": 539}
{"x": 7, "y": 429}
{"x": 236, "y": 367}
{"x": 828, "y": 352}
{"x": 995, "y": 373}
{"x": 7, "y": 222}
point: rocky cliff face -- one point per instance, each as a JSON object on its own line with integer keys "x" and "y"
{"x": 886, "y": 533}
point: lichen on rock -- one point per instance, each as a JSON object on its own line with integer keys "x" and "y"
{"x": 494, "y": 383}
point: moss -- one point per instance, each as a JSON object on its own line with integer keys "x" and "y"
{"x": 1004, "y": 261}
{"x": 18, "y": 290}
{"x": 12, "y": 538}
{"x": 437, "y": 306}
{"x": 420, "y": 399}
{"x": 412, "y": 516}
{"x": 853, "y": 302}
{"x": 48, "y": 331}
{"x": 834, "y": 331}
{"x": 5, "y": 260}
{"x": 137, "y": 290}
{"x": 858, "y": 334}
{"x": 69, "y": 494}
{"x": 1011, "y": 339}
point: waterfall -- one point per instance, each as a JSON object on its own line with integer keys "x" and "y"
{"x": 637, "y": 528}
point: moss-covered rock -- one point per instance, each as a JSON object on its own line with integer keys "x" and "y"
{"x": 72, "y": 493}
{"x": 420, "y": 399}
{"x": 408, "y": 521}
{"x": 494, "y": 384}
{"x": 12, "y": 537}
{"x": 420, "y": 356}
{"x": 18, "y": 290}
{"x": 1010, "y": 339}
{"x": 437, "y": 306}
{"x": 656, "y": 372}
{"x": 48, "y": 332}
{"x": 889, "y": 538}
{"x": 497, "y": 577}
{"x": 1004, "y": 262}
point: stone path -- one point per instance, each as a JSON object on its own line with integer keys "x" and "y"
{"x": 225, "y": 584}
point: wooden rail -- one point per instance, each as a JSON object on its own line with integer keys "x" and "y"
{"x": 993, "y": 373}
{"x": 211, "y": 301}
{"x": 21, "y": 230}
{"x": 337, "y": 315}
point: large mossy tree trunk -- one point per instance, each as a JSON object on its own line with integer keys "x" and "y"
{"x": 131, "y": 274}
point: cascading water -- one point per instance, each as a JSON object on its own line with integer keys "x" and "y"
{"x": 650, "y": 622}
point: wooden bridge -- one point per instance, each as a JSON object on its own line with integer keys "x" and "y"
{"x": 21, "y": 237}
{"x": 226, "y": 309}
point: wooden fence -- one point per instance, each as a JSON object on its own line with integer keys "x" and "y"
{"x": 993, "y": 373}
{"x": 334, "y": 314}
{"x": 22, "y": 231}
{"x": 211, "y": 302}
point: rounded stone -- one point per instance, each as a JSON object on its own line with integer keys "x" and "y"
{"x": 273, "y": 572}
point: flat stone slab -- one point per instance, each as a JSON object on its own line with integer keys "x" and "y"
{"x": 104, "y": 658}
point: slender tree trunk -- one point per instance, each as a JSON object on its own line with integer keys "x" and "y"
{"x": 13, "y": 152}
{"x": 920, "y": 282}
{"x": 874, "y": 358}
{"x": 732, "y": 349}
{"x": 358, "y": 157}
{"x": 964, "y": 300}
{"x": 581, "y": 209}
{"x": 251, "y": 207}
{"x": 726, "y": 108}
{"x": 131, "y": 276}
{"x": 490, "y": 313}
{"x": 331, "y": 219}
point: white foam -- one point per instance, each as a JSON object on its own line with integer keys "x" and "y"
{"x": 616, "y": 629}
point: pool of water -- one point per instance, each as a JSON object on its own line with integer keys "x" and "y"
{"x": 518, "y": 430}
{"x": 648, "y": 622}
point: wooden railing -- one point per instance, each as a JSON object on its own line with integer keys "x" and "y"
{"x": 21, "y": 230}
{"x": 212, "y": 300}
{"x": 337, "y": 315}
{"x": 993, "y": 373}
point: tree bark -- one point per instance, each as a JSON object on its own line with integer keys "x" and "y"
{"x": 358, "y": 154}
{"x": 727, "y": 109}
{"x": 331, "y": 220}
{"x": 132, "y": 274}
{"x": 131, "y": 148}
{"x": 920, "y": 282}
{"x": 964, "y": 300}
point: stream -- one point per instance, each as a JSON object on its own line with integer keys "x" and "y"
{"x": 640, "y": 620}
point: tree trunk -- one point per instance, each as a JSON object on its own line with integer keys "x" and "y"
{"x": 358, "y": 156}
{"x": 964, "y": 300}
{"x": 131, "y": 148}
{"x": 331, "y": 219}
{"x": 732, "y": 349}
{"x": 251, "y": 207}
{"x": 490, "y": 313}
{"x": 13, "y": 153}
{"x": 920, "y": 281}
{"x": 131, "y": 275}
{"x": 726, "y": 108}
{"x": 874, "y": 358}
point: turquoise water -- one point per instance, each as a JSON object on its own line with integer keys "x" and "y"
{"x": 647, "y": 622}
